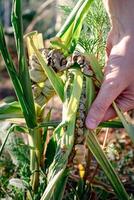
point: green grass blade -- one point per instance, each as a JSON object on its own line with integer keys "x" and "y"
{"x": 129, "y": 127}
{"x": 10, "y": 130}
{"x": 101, "y": 158}
{"x": 23, "y": 68}
{"x": 54, "y": 79}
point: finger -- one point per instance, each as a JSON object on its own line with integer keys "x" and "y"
{"x": 109, "y": 91}
{"x": 108, "y": 46}
{"x": 108, "y": 50}
{"x": 124, "y": 103}
{"x": 110, "y": 114}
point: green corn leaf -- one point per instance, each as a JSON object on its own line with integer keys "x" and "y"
{"x": 65, "y": 131}
{"x": 81, "y": 14}
{"x": 101, "y": 158}
{"x": 94, "y": 146}
{"x": 57, "y": 132}
{"x": 23, "y": 68}
{"x": 111, "y": 124}
{"x": 59, "y": 190}
{"x": 13, "y": 128}
{"x": 65, "y": 29}
{"x": 50, "y": 152}
{"x": 47, "y": 119}
{"x": 70, "y": 31}
{"x": 51, "y": 186}
{"x": 49, "y": 124}
{"x": 57, "y": 43}
{"x": 15, "y": 79}
{"x": 45, "y": 143}
{"x": 54, "y": 79}
{"x": 129, "y": 127}
{"x": 90, "y": 92}
{"x": 10, "y": 110}
{"x": 65, "y": 136}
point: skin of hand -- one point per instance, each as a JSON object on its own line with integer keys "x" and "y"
{"x": 118, "y": 83}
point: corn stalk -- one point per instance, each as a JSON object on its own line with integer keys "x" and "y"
{"x": 22, "y": 85}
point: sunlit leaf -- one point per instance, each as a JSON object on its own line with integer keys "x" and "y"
{"x": 10, "y": 110}
{"x": 129, "y": 127}
{"x": 101, "y": 158}
{"x": 70, "y": 31}
{"x": 30, "y": 119}
{"x": 47, "y": 195}
{"x": 23, "y": 68}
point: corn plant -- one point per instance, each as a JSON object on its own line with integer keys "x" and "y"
{"x": 66, "y": 69}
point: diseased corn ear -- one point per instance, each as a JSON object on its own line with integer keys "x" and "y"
{"x": 42, "y": 89}
{"x": 37, "y": 76}
{"x": 78, "y": 157}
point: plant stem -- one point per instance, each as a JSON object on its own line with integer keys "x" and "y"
{"x": 35, "y": 156}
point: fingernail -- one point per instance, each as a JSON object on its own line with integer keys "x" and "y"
{"x": 91, "y": 123}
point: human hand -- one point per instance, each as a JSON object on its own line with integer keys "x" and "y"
{"x": 118, "y": 84}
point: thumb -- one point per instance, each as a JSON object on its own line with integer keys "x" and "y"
{"x": 109, "y": 91}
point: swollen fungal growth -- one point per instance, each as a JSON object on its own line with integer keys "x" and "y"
{"x": 79, "y": 153}
{"x": 42, "y": 89}
{"x": 54, "y": 58}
